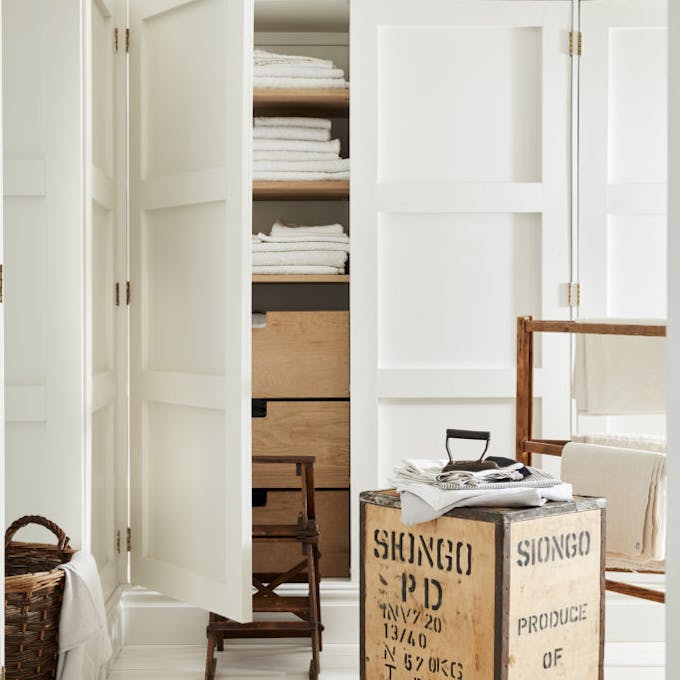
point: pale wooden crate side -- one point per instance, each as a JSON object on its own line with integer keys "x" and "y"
{"x": 571, "y": 586}
{"x": 463, "y": 648}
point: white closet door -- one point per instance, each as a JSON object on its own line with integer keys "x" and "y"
{"x": 190, "y": 314}
{"x": 460, "y": 216}
{"x": 2, "y": 393}
{"x": 623, "y": 155}
{"x": 106, "y": 316}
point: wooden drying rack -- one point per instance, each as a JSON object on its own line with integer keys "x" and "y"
{"x": 525, "y": 444}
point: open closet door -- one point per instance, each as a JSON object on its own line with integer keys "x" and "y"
{"x": 190, "y": 315}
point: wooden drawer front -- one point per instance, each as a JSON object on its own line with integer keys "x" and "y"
{"x": 333, "y": 517}
{"x": 302, "y": 354}
{"x": 303, "y": 428}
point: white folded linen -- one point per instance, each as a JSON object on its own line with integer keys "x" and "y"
{"x": 305, "y": 133}
{"x": 643, "y": 442}
{"x": 296, "y": 71}
{"x": 305, "y": 238}
{"x": 619, "y": 374}
{"x": 425, "y": 502}
{"x": 298, "y": 247}
{"x": 634, "y": 483}
{"x": 297, "y": 269}
{"x": 291, "y": 121}
{"x": 295, "y": 156}
{"x": 262, "y": 57}
{"x": 295, "y": 83}
{"x": 339, "y": 165}
{"x": 327, "y": 258}
{"x": 281, "y": 228}
{"x": 332, "y": 146}
{"x": 289, "y": 176}
{"x": 432, "y": 472}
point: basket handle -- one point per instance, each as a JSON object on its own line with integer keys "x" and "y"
{"x": 62, "y": 538}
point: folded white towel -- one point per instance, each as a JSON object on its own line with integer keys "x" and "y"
{"x": 634, "y": 483}
{"x": 281, "y": 228}
{"x": 306, "y": 133}
{"x": 619, "y": 374}
{"x": 295, "y": 83}
{"x": 432, "y": 472}
{"x": 339, "y": 165}
{"x": 297, "y": 71}
{"x": 305, "y": 238}
{"x": 332, "y": 146}
{"x": 273, "y": 176}
{"x": 327, "y": 258}
{"x": 291, "y": 121}
{"x": 295, "y": 156}
{"x": 297, "y": 269}
{"x": 642, "y": 442}
{"x": 298, "y": 247}
{"x": 262, "y": 57}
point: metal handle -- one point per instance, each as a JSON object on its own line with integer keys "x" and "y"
{"x": 259, "y": 408}
{"x": 62, "y": 538}
{"x": 259, "y": 498}
{"x": 479, "y": 435}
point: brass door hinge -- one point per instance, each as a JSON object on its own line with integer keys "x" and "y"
{"x": 115, "y": 40}
{"x": 574, "y": 294}
{"x": 2, "y": 673}
{"x": 128, "y": 294}
{"x": 575, "y": 43}
{"x": 129, "y": 539}
{"x": 118, "y": 542}
{"x": 117, "y": 294}
{"x": 127, "y": 39}
{"x": 2, "y": 284}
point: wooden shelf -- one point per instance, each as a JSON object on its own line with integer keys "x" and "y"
{"x": 305, "y": 102}
{"x": 323, "y": 190}
{"x": 300, "y": 278}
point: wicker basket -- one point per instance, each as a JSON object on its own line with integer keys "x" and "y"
{"x": 33, "y": 593}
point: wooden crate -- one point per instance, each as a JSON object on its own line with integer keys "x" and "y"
{"x": 302, "y": 355}
{"x": 482, "y": 593}
{"x": 333, "y": 517}
{"x": 302, "y": 428}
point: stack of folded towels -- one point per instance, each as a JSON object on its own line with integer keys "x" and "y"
{"x": 297, "y": 249}
{"x": 272, "y": 70}
{"x": 296, "y": 149}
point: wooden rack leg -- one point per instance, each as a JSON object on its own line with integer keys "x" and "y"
{"x": 210, "y": 660}
{"x": 525, "y": 388}
{"x": 313, "y": 578}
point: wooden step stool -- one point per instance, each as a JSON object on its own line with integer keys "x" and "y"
{"x": 307, "y": 609}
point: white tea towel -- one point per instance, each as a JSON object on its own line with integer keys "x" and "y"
{"x": 262, "y": 57}
{"x": 432, "y": 472}
{"x": 634, "y": 483}
{"x": 328, "y": 258}
{"x": 84, "y": 645}
{"x": 331, "y": 146}
{"x": 295, "y": 156}
{"x": 259, "y": 247}
{"x": 297, "y": 269}
{"x": 281, "y": 228}
{"x": 643, "y": 442}
{"x": 302, "y": 133}
{"x": 619, "y": 374}
{"x": 295, "y": 83}
{"x": 291, "y": 121}
{"x": 339, "y": 165}
{"x": 304, "y": 238}
{"x": 258, "y": 320}
{"x": 297, "y": 71}
{"x": 289, "y": 176}
{"x": 425, "y": 502}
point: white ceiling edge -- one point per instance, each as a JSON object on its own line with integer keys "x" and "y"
{"x": 302, "y": 15}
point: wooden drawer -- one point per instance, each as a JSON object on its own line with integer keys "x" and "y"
{"x": 333, "y": 517}
{"x": 302, "y": 428}
{"x": 302, "y": 354}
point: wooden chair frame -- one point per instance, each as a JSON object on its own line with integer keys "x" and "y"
{"x": 525, "y": 444}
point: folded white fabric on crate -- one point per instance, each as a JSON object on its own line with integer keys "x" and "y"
{"x": 432, "y": 472}
{"x": 295, "y": 156}
{"x": 290, "y": 176}
{"x": 302, "y": 133}
{"x": 291, "y": 121}
{"x": 634, "y": 483}
{"x": 331, "y": 146}
{"x": 620, "y": 374}
{"x": 297, "y": 71}
{"x": 263, "y": 57}
{"x": 305, "y": 238}
{"x": 295, "y": 83}
{"x": 339, "y": 165}
{"x": 297, "y": 269}
{"x": 328, "y": 258}
{"x": 298, "y": 247}
{"x": 281, "y": 228}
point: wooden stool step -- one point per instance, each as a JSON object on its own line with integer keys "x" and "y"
{"x": 294, "y": 605}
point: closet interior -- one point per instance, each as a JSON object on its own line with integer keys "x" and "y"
{"x": 301, "y": 320}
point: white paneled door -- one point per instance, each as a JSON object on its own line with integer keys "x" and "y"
{"x": 190, "y": 126}
{"x": 461, "y": 220}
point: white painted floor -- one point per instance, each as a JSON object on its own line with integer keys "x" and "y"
{"x": 624, "y": 661}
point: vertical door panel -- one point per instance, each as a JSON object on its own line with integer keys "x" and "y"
{"x": 190, "y": 308}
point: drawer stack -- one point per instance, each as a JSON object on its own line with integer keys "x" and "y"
{"x": 301, "y": 407}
